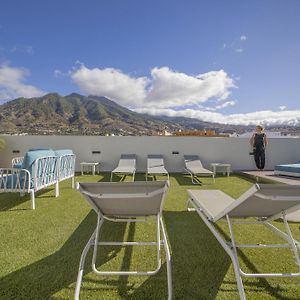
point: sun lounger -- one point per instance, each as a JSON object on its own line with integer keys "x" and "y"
{"x": 195, "y": 168}
{"x": 127, "y": 165}
{"x": 126, "y": 202}
{"x": 265, "y": 202}
{"x": 156, "y": 166}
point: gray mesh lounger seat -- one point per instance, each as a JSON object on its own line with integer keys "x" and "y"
{"x": 195, "y": 168}
{"x": 265, "y": 202}
{"x": 126, "y": 202}
{"x": 156, "y": 166}
{"x": 127, "y": 165}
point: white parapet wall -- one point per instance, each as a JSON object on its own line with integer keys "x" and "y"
{"x": 228, "y": 150}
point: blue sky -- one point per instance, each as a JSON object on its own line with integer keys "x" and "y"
{"x": 247, "y": 52}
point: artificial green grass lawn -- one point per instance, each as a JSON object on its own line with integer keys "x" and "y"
{"x": 40, "y": 250}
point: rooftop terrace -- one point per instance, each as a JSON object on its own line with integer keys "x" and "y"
{"x": 40, "y": 249}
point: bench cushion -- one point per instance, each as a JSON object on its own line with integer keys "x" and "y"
{"x": 291, "y": 168}
{"x": 62, "y": 152}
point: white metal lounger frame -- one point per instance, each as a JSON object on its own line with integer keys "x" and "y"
{"x": 231, "y": 247}
{"x": 194, "y": 175}
{"x": 16, "y": 161}
{"x": 123, "y": 173}
{"x": 154, "y": 174}
{"x": 123, "y": 156}
{"x": 94, "y": 241}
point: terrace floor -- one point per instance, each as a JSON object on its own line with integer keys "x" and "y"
{"x": 40, "y": 250}
{"x": 269, "y": 175}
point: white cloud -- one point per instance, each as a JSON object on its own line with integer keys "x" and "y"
{"x": 239, "y": 50}
{"x": 225, "y": 104}
{"x": 12, "y": 84}
{"x": 217, "y": 107}
{"x": 282, "y": 107}
{"x": 170, "y": 89}
{"x": 260, "y": 117}
{"x": 165, "y": 88}
{"x": 23, "y": 49}
{"x": 112, "y": 83}
{"x": 57, "y": 73}
{"x": 237, "y": 45}
{"x": 171, "y": 93}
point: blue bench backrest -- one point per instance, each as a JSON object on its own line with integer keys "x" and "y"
{"x": 44, "y": 173}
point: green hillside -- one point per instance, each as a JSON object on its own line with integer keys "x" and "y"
{"x": 76, "y": 114}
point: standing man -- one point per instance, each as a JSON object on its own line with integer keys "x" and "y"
{"x": 259, "y": 142}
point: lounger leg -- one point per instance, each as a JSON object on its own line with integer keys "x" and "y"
{"x": 32, "y": 197}
{"x": 57, "y": 189}
{"x": 168, "y": 260}
{"x": 81, "y": 265}
{"x": 235, "y": 261}
{"x": 187, "y": 205}
{"x": 193, "y": 179}
{"x": 99, "y": 224}
{"x": 158, "y": 242}
{"x": 228, "y": 250}
{"x": 292, "y": 241}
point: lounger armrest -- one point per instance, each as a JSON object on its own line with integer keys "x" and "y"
{"x": 14, "y": 179}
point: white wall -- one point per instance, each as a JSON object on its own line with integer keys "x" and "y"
{"x": 229, "y": 150}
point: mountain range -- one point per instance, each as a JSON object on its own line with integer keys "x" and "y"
{"x": 90, "y": 115}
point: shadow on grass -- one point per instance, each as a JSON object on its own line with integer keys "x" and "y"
{"x": 10, "y": 200}
{"x": 258, "y": 283}
{"x": 199, "y": 264}
{"x": 185, "y": 179}
{"x": 119, "y": 177}
{"x": 43, "y": 278}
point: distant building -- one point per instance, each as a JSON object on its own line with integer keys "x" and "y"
{"x": 200, "y": 133}
{"x": 165, "y": 133}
